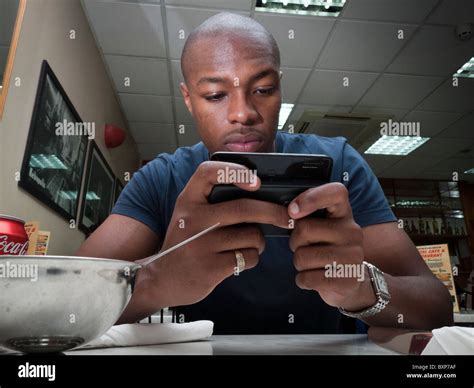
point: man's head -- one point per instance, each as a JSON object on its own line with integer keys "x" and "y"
{"x": 231, "y": 69}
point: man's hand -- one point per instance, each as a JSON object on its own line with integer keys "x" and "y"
{"x": 190, "y": 273}
{"x": 321, "y": 244}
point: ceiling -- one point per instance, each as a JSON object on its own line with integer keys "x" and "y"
{"x": 409, "y": 79}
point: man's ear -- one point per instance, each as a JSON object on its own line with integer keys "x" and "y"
{"x": 281, "y": 75}
{"x": 185, "y": 92}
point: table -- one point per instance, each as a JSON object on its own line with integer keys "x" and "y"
{"x": 464, "y": 318}
{"x": 345, "y": 344}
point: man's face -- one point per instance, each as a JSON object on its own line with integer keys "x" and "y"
{"x": 233, "y": 93}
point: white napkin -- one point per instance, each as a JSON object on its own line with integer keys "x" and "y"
{"x": 451, "y": 340}
{"x": 137, "y": 334}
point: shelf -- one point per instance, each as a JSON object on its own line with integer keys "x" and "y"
{"x": 422, "y": 211}
{"x": 437, "y": 237}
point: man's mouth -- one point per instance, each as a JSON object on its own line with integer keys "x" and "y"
{"x": 243, "y": 143}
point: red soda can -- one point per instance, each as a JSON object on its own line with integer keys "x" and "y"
{"x": 13, "y": 237}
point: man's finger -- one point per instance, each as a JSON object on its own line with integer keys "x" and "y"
{"x": 212, "y": 173}
{"x": 249, "y": 211}
{"x": 309, "y": 231}
{"x": 229, "y": 266}
{"x": 318, "y": 280}
{"x": 333, "y": 197}
{"x": 235, "y": 237}
{"x": 325, "y": 256}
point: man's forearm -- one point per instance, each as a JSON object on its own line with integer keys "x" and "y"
{"x": 146, "y": 299}
{"x": 417, "y": 303}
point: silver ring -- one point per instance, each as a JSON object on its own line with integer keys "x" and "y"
{"x": 240, "y": 263}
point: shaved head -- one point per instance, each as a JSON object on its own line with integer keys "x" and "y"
{"x": 226, "y": 29}
{"x": 231, "y": 70}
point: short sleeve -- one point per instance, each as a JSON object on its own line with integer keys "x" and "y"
{"x": 368, "y": 201}
{"x": 139, "y": 199}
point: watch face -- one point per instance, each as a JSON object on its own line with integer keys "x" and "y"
{"x": 381, "y": 283}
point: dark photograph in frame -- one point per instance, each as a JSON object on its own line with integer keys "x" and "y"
{"x": 53, "y": 163}
{"x": 98, "y": 194}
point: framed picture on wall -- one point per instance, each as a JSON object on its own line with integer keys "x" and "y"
{"x": 117, "y": 190}
{"x": 98, "y": 193}
{"x": 56, "y": 148}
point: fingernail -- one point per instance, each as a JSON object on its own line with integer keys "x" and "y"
{"x": 294, "y": 208}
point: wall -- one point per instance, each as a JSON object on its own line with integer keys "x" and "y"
{"x": 466, "y": 191}
{"x": 467, "y": 197}
{"x": 78, "y": 65}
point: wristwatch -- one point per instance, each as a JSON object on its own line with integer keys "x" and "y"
{"x": 381, "y": 292}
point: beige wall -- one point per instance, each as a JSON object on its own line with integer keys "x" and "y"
{"x": 79, "y": 67}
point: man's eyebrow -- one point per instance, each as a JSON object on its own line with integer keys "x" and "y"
{"x": 263, "y": 74}
{"x": 212, "y": 80}
{"x": 256, "y": 77}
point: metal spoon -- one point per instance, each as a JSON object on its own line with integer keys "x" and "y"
{"x": 152, "y": 258}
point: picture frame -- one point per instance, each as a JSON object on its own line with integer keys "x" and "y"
{"x": 97, "y": 196}
{"x": 118, "y": 187}
{"x": 53, "y": 162}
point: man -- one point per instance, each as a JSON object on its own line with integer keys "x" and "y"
{"x": 231, "y": 68}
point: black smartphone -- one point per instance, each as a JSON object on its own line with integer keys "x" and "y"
{"x": 283, "y": 177}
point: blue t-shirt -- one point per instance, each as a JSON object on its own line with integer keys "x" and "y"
{"x": 265, "y": 299}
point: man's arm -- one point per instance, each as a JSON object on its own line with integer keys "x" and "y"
{"x": 124, "y": 238}
{"x": 418, "y": 298}
{"x": 121, "y": 238}
{"x": 190, "y": 273}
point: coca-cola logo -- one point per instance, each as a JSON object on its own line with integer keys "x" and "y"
{"x": 11, "y": 247}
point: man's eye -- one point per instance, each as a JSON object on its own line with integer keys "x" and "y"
{"x": 215, "y": 97}
{"x": 265, "y": 91}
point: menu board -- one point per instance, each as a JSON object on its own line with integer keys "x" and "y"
{"x": 437, "y": 259}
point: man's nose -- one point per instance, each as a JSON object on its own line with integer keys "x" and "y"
{"x": 241, "y": 110}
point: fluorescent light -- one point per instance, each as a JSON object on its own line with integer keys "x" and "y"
{"x": 454, "y": 214}
{"x": 451, "y": 194}
{"x": 285, "y": 111}
{"x": 92, "y": 196}
{"x": 72, "y": 195}
{"x": 396, "y": 145}
{"x": 470, "y": 171}
{"x": 330, "y": 8}
{"x": 467, "y": 70}
{"x": 50, "y": 162}
{"x": 69, "y": 195}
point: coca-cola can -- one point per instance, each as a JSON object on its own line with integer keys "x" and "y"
{"x": 13, "y": 237}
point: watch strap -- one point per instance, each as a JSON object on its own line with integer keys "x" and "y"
{"x": 382, "y": 298}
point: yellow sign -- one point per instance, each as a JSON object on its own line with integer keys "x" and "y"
{"x": 32, "y": 228}
{"x": 38, "y": 239}
{"x": 437, "y": 259}
{"x": 42, "y": 243}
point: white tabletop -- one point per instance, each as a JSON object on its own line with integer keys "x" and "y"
{"x": 466, "y": 316}
{"x": 345, "y": 344}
